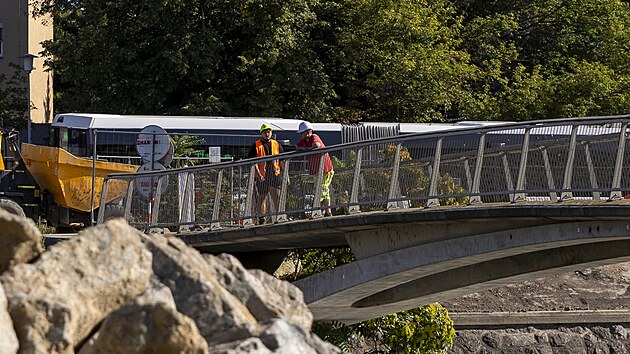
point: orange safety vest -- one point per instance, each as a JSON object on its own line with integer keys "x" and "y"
{"x": 260, "y": 151}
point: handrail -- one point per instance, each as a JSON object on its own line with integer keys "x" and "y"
{"x": 502, "y": 163}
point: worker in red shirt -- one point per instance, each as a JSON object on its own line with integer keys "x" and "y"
{"x": 310, "y": 141}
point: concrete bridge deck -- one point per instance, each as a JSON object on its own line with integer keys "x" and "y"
{"x": 332, "y": 231}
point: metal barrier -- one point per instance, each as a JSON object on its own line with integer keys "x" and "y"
{"x": 552, "y": 160}
{"x": 120, "y": 147}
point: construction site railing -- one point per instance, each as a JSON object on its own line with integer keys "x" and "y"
{"x": 551, "y": 160}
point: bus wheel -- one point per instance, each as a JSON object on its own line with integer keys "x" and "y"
{"x": 12, "y": 207}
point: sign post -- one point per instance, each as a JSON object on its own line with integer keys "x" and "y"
{"x": 153, "y": 145}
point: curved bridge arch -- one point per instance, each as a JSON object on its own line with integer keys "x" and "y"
{"x": 418, "y": 275}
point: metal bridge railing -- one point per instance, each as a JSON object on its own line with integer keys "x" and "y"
{"x": 552, "y": 160}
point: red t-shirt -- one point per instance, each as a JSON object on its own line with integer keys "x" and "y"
{"x": 313, "y": 160}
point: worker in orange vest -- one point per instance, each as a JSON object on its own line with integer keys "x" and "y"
{"x": 268, "y": 179}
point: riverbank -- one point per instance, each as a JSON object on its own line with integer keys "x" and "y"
{"x": 585, "y": 311}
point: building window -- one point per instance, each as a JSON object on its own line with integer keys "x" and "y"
{"x": 1, "y": 41}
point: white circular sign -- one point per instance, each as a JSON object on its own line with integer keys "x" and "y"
{"x": 148, "y": 186}
{"x": 152, "y": 143}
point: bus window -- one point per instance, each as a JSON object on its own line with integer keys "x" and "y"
{"x": 62, "y": 141}
{"x": 77, "y": 142}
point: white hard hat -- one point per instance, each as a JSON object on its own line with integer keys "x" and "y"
{"x": 304, "y": 126}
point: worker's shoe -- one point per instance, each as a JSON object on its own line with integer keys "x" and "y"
{"x": 262, "y": 220}
{"x": 328, "y": 213}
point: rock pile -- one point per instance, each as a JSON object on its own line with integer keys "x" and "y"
{"x": 569, "y": 340}
{"x": 113, "y": 289}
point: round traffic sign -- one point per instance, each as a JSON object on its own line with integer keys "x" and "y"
{"x": 152, "y": 143}
{"x": 148, "y": 186}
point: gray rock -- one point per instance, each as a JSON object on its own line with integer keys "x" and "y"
{"x": 8, "y": 338}
{"x": 265, "y": 296}
{"x": 492, "y": 340}
{"x": 468, "y": 342}
{"x": 58, "y": 300}
{"x": 247, "y": 346}
{"x": 456, "y": 350}
{"x": 523, "y": 340}
{"x": 155, "y": 328}
{"x": 219, "y": 315}
{"x": 157, "y": 293}
{"x": 602, "y": 332}
{"x": 617, "y": 348}
{"x": 20, "y": 240}
{"x": 280, "y": 337}
{"x": 619, "y": 332}
{"x": 566, "y": 341}
{"x": 541, "y": 338}
{"x": 599, "y": 348}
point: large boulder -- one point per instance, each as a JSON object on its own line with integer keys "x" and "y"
{"x": 20, "y": 240}
{"x": 276, "y": 336}
{"x": 218, "y": 314}
{"x": 141, "y": 327}
{"x": 59, "y": 299}
{"x": 8, "y": 339}
{"x": 265, "y": 296}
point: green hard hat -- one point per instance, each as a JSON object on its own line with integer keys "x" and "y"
{"x": 265, "y": 127}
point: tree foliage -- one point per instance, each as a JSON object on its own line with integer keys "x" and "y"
{"x": 13, "y": 105}
{"x": 191, "y": 57}
{"x": 546, "y": 59}
{"x": 343, "y": 60}
{"x": 392, "y": 60}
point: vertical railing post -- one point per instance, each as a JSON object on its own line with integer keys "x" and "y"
{"x": 101, "y": 208}
{"x": 469, "y": 181}
{"x": 435, "y": 174}
{"x": 522, "y": 168}
{"x": 284, "y": 189}
{"x": 475, "y": 199}
{"x": 550, "y": 182}
{"x": 93, "y": 176}
{"x": 566, "y": 194}
{"x": 616, "y": 192}
{"x": 157, "y": 198}
{"x": 356, "y": 178}
{"x": 216, "y": 207}
{"x": 317, "y": 212}
{"x": 182, "y": 194}
{"x": 508, "y": 175}
{"x": 591, "y": 171}
{"x": 247, "y": 215}
{"x": 393, "y": 183}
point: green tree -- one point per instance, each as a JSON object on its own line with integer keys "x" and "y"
{"x": 13, "y": 105}
{"x": 247, "y": 57}
{"x": 544, "y": 59}
{"x": 186, "y": 146}
{"x": 392, "y": 60}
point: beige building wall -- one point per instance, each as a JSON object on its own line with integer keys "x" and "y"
{"x": 23, "y": 34}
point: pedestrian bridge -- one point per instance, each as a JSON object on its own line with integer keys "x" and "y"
{"x": 427, "y": 216}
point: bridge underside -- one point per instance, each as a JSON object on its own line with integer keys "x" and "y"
{"x": 405, "y": 278}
